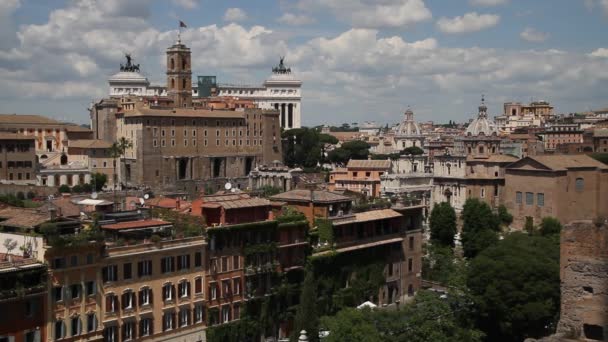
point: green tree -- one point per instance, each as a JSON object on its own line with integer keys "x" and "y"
{"x": 550, "y": 226}
{"x": 529, "y": 225}
{"x": 77, "y": 189}
{"x": 504, "y": 216}
{"x": 64, "y": 189}
{"x": 479, "y": 228}
{"x": 269, "y": 190}
{"x": 443, "y": 224}
{"x": 98, "y": 181}
{"x": 326, "y": 140}
{"x": 302, "y": 147}
{"x": 355, "y": 149}
{"x": 306, "y": 315}
{"x": 413, "y": 150}
{"x": 515, "y": 287}
{"x": 351, "y": 325}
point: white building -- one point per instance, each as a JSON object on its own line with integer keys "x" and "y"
{"x": 281, "y": 91}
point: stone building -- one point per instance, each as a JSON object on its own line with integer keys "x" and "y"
{"x": 184, "y": 148}
{"x": 360, "y": 176}
{"x": 179, "y": 75}
{"x": 410, "y": 179}
{"x": 568, "y": 187}
{"x": 17, "y": 158}
{"x": 94, "y": 155}
{"x": 517, "y": 115}
{"x": 316, "y": 203}
{"x": 555, "y": 135}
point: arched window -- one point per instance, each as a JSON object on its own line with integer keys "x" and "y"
{"x": 184, "y": 83}
{"x": 64, "y": 159}
{"x": 172, "y": 83}
{"x": 580, "y": 184}
{"x": 172, "y": 63}
{"x": 184, "y": 64}
{"x": 513, "y": 111}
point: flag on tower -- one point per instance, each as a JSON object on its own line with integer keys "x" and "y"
{"x": 182, "y": 24}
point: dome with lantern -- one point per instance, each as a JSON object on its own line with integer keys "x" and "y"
{"x": 482, "y": 125}
{"x": 408, "y": 126}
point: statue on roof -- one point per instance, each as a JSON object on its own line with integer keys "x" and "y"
{"x": 281, "y": 69}
{"x": 129, "y": 66}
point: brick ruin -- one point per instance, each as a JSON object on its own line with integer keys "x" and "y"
{"x": 584, "y": 281}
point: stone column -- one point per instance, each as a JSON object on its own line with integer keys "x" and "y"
{"x": 87, "y": 178}
{"x": 290, "y": 115}
{"x": 75, "y": 179}
{"x": 283, "y": 122}
{"x": 50, "y": 180}
{"x": 63, "y": 180}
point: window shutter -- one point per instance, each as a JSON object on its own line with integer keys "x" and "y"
{"x": 115, "y": 302}
{"x": 164, "y": 293}
{"x": 108, "y": 303}
{"x": 124, "y": 300}
{"x": 188, "y": 288}
{"x": 162, "y": 266}
{"x": 179, "y": 263}
{"x": 198, "y": 285}
{"x": 173, "y": 291}
{"x": 133, "y": 299}
{"x": 188, "y": 261}
{"x": 140, "y": 267}
{"x": 172, "y": 263}
{"x": 150, "y": 296}
{"x": 141, "y": 327}
{"x": 141, "y": 297}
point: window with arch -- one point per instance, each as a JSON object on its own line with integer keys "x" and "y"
{"x": 579, "y": 184}
{"x": 172, "y": 83}
{"x": 184, "y": 64}
{"x": 184, "y": 83}
{"x": 172, "y": 63}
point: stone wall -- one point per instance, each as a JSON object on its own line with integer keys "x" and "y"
{"x": 6, "y": 189}
{"x": 584, "y": 281}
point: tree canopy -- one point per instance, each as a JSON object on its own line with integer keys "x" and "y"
{"x": 305, "y": 146}
{"x": 515, "y": 286}
{"x": 355, "y": 149}
{"x": 550, "y": 225}
{"x": 443, "y": 224}
{"x": 306, "y": 315}
{"x": 413, "y": 150}
{"x": 480, "y": 227}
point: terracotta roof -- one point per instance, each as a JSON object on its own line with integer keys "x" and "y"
{"x": 372, "y": 215}
{"x": 186, "y": 112}
{"x": 225, "y": 197}
{"x": 89, "y": 143}
{"x": 565, "y": 162}
{"x": 369, "y": 164}
{"x": 241, "y": 203}
{"x": 318, "y": 196}
{"x": 15, "y": 136}
{"x": 168, "y": 202}
{"x": 136, "y": 224}
{"x": 22, "y": 217}
{"x": 27, "y": 119}
{"x": 64, "y": 205}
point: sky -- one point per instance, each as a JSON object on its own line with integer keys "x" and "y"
{"x": 359, "y": 60}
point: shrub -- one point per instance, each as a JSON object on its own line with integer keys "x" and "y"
{"x": 20, "y": 195}
{"x": 87, "y": 188}
{"x": 30, "y": 195}
{"x": 155, "y": 238}
{"x": 64, "y": 189}
{"x": 77, "y": 189}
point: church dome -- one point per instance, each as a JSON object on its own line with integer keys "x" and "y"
{"x": 408, "y": 126}
{"x": 482, "y": 125}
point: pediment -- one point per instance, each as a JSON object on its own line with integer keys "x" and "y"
{"x": 528, "y": 164}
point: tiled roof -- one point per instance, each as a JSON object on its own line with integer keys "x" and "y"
{"x": 22, "y": 217}
{"x": 369, "y": 164}
{"x": 241, "y": 203}
{"x": 372, "y": 215}
{"x": 565, "y": 162}
{"x": 89, "y": 143}
{"x": 43, "y": 121}
{"x": 495, "y": 158}
{"x": 15, "y": 136}
{"x": 167, "y": 202}
{"x": 318, "y": 196}
{"x": 136, "y": 224}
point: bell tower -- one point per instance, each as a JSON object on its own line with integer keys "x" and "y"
{"x": 179, "y": 74}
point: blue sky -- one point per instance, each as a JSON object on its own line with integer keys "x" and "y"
{"x": 359, "y": 59}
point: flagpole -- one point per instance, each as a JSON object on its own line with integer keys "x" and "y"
{"x": 179, "y": 33}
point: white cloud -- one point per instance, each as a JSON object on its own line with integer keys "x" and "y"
{"x": 533, "y": 35}
{"x": 373, "y": 13}
{"x": 470, "y": 22}
{"x": 295, "y": 19}
{"x": 603, "y": 4}
{"x": 235, "y": 14}
{"x": 488, "y": 2}
{"x": 599, "y": 53}
{"x": 187, "y": 4}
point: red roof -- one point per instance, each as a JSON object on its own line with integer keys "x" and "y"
{"x": 135, "y": 224}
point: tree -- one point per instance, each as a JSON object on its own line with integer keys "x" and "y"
{"x": 515, "y": 287}
{"x": 269, "y": 190}
{"x": 550, "y": 226}
{"x": 413, "y": 150}
{"x": 306, "y": 315}
{"x": 504, "y": 216}
{"x": 480, "y": 227}
{"x": 443, "y": 224}
{"x": 9, "y": 244}
{"x": 114, "y": 154}
{"x": 355, "y": 149}
{"x": 87, "y": 188}
{"x": 302, "y": 147}
{"x": 98, "y": 181}
{"x": 64, "y": 189}
{"x": 351, "y": 325}
{"x": 77, "y": 189}
{"x": 529, "y": 225}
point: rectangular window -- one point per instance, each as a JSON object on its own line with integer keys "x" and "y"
{"x": 75, "y": 291}
{"x": 184, "y": 317}
{"x": 167, "y": 264}
{"x": 213, "y": 291}
{"x": 90, "y": 288}
{"x": 198, "y": 259}
{"x": 410, "y": 265}
{"x": 518, "y": 197}
{"x": 128, "y": 331}
{"x": 128, "y": 300}
{"x": 184, "y": 289}
{"x": 162, "y": 143}
{"x": 168, "y": 292}
{"x": 236, "y": 282}
{"x": 145, "y": 327}
{"x": 58, "y": 263}
{"x": 411, "y": 243}
{"x": 91, "y": 322}
{"x": 183, "y": 262}
{"x": 235, "y": 262}
{"x": 168, "y": 321}
{"x": 224, "y": 264}
{"x": 59, "y": 330}
{"x": 111, "y": 303}
{"x": 199, "y": 310}
{"x": 198, "y": 285}
{"x": 110, "y": 273}
{"x": 144, "y": 268}
{"x": 540, "y": 199}
{"x": 225, "y": 313}
{"x": 89, "y": 259}
{"x": 74, "y": 260}
{"x": 145, "y": 296}
{"x": 58, "y": 293}
{"x": 529, "y": 198}
{"x": 126, "y": 271}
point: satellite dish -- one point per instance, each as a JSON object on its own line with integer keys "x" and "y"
{"x": 94, "y": 195}
{"x": 142, "y": 201}
{"x": 228, "y": 186}
{"x": 146, "y": 196}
